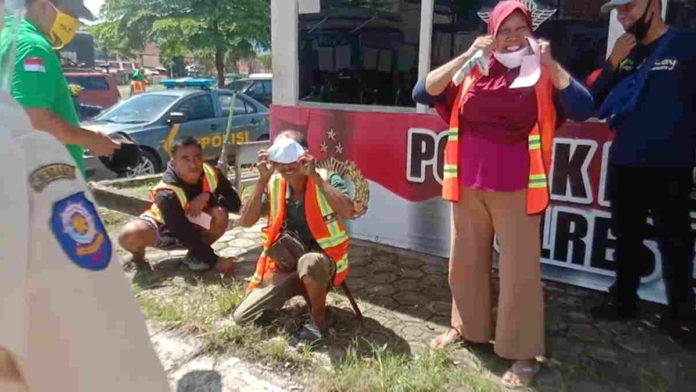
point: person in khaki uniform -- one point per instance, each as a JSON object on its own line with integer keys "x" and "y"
{"x": 309, "y": 203}
{"x": 68, "y": 321}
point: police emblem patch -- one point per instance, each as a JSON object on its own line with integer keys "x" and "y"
{"x": 81, "y": 233}
{"x": 41, "y": 177}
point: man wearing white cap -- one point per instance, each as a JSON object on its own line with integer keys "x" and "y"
{"x": 305, "y": 207}
{"x": 68, "y": 321}
{"x": 647, "y": 92}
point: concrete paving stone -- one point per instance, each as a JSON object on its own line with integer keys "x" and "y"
{"x": 585, "y": 333}
{"x": 381, "y": 290}
{"x": 359, "y": 261}
{"x": 358, "y": 272}
{"x": 435, "y": 270}
{"x": 220, "y": 246}
{"x": 174, "y": 350}
{"x": 382, "y": 256}
{"x": 632, "y": 345}
{"x": 228, "y": 236}
{"x": 591, "y": 386}
{"x": 255, "y": 236}
{"x": 601, "y": 353}
{"x": 417, "y": 312}
{"x": 408, "y": 285}
{"x": 381, "y": 278}
{"x": 358, "y": 251}
{"x": 383, "y": 267}
{"x": 409, "y": 262}
{"x": 230, "y": 251}
{"x": 176, "y": 253}
{"x": 439, "y": 308}
{"x": 579, "y": 317}
{"x": 384, "y": 302}
{"x": 241, "y": 242}
{"x": 410, "y": 298}
{"x": 411, "y": 272}
{"x": 435, "y": 260}
{"x": 436, "y": 281}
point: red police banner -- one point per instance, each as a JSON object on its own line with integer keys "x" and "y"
{"x": 400, "y": 154}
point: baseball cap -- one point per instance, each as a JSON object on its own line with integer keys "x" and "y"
{"x": 77, "y": 8}
{"x": 285, "y": 150}
{"x": 610, "y": 5}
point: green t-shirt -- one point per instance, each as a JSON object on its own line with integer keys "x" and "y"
{"x": 38, "y": 81}
{"x": 295, "y": 219}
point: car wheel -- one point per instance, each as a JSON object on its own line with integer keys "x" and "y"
{"x": 149, "y": 164}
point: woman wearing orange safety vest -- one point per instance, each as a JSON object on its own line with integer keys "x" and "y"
{"x": 502, "y": 117}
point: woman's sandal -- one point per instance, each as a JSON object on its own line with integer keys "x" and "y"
{"x": 445, "y": 339}
{"x": 524, "y": 373}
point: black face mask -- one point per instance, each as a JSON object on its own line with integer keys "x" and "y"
{"x": 640, "y": 27}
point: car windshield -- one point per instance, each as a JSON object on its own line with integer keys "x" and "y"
{"x": 240, "y": 85}
{"x": 139, "y": 109}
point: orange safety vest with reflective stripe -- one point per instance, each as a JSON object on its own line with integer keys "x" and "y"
{"x": 540, "y": 145}
{"x": 138, "y": 86}
{"x": 210, "y": 183}
{"x": 323, "y": 223}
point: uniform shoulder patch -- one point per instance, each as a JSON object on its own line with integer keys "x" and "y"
{"x": 34, "y": 64}
{"x": 41, "y": 177}
{"x": 81, "y": 233}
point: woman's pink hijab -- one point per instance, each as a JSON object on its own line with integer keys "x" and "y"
{"x": 501, "y": 12}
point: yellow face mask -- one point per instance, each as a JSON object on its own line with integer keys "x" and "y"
{"x": 63, "y": 30}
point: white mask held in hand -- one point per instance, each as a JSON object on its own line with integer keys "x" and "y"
{"x": 285, "y": 150}
{"x": 529, "y": 62}
{"x": 511, "y": 60}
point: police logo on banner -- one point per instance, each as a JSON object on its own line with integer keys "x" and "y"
{"x": 77, "y": 227}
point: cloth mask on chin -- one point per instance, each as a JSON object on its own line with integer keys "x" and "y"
{"x": 527, "y": 59}
{"x": 511, "y": 60}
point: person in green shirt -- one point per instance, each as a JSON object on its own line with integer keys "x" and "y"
{"x": 38, "y": 83}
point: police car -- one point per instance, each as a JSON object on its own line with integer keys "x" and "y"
{"x": 202, "y": 113}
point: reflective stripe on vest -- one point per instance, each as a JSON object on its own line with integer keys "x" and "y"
{"x": 210, "y": 184}
{"x": 540, "y": 145}
{"x": 322, "y": 221}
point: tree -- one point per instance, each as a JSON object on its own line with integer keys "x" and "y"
{"x": 216, "y": 27}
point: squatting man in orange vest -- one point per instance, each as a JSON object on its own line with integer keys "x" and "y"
{"x": 189, "y": 210}
{"x": 306, "y": 204}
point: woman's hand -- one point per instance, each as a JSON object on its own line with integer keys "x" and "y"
{"x": 484, "y": 43}
{"x": 545, "y": 54}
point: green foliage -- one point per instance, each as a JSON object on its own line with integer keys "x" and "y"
{"x": 221, "y": 28}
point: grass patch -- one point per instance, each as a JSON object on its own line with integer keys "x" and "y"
{"x": 205, "y": 311}
{"x": 382, "y": 371}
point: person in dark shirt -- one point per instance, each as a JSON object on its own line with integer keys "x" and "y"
{"x": 189, "y": 190}
{"x": 651, "y": 160}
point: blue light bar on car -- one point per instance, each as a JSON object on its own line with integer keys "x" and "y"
{"x": 203, "y": 83}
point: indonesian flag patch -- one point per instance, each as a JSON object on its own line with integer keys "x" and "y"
{"x": 34, "y": 64}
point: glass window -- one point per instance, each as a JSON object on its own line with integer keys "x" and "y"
{"x": 255, "y": 89}
{"x": 360, "y": 52}
{"x": 682, "y": 14}
{"x": 89, "y": 83}
{"x": 225, "y": 102}
{"x": 198, "y": 108}
{"x": 142, "y": 108}
{"x": 249, "y": 107}
{"x": 267, "y": 86}
{"x": 577, "y": 31}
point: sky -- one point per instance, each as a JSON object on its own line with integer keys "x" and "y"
{"x": 94, "y": 5}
